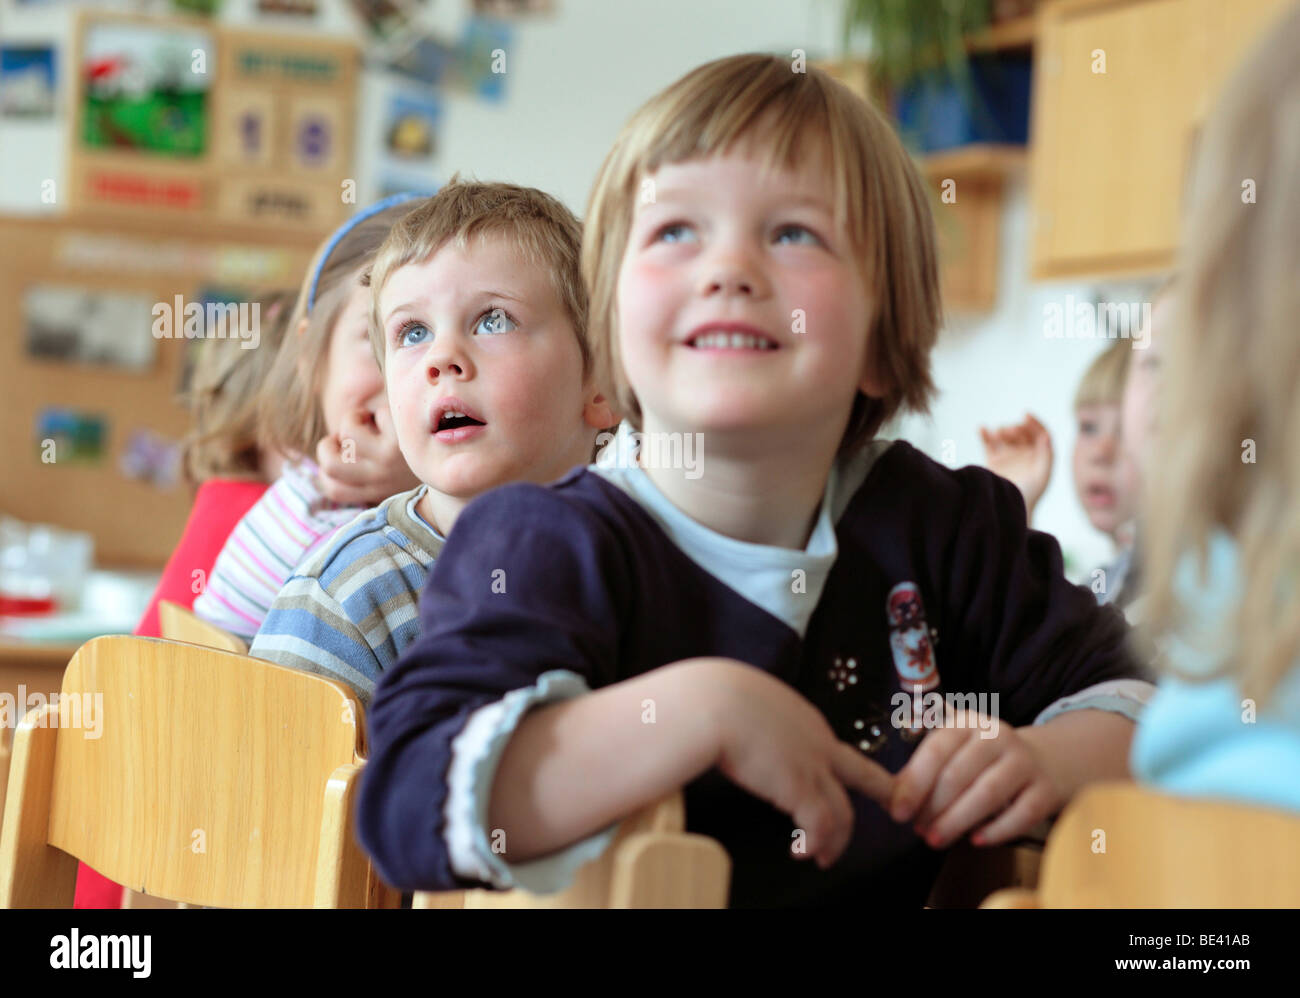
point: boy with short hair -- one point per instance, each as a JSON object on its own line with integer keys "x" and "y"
{"x": 478, "y": 320}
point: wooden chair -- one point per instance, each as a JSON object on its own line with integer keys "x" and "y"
{"x": 1162, "y": 851}
{"x": 652, "y": 863}
{"x": 180, "y": 624}
{"x": 216, "y": 779}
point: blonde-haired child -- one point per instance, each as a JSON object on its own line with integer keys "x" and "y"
{"x": 323, "y": 398}
{"x": 1105, "y": 478}
{"x": 1221, "y": 532}
{"x": 757, "y": 623}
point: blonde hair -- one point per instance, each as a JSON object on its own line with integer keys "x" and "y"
{"x": 291, "y": 419}
{"x": 547, "y": 234}
{"x": 1103, "y": 382}
{"x": 878, "y": 195}
{"x": 222, "y": 396}
{"x": 1231, "y": 364}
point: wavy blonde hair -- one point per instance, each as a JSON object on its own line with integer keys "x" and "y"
{"x": 1232, "y": 373}
{"x": 878, "y": 195}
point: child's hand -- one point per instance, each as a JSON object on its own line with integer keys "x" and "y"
{"x": 1021, "y": 454}
{"x": 958, "y": 780}
{"x": 361, "y": 464}
{"x": 777, "y": 745}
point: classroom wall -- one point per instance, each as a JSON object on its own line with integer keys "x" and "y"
{"x": 571, "y": 82}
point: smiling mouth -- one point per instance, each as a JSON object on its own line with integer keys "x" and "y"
{"x": 730, "y": 341}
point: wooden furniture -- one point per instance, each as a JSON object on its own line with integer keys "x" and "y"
{"x": 1120, "y": 89}
{"x": 1119, "y": 845}
{"x": 216, "y": 779}
{"x": 652, "y": 863}
{"x": 181, "y": 624}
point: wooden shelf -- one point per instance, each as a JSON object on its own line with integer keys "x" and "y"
{"x": 985, "y": 159}
{"x": 1015, "y": 33}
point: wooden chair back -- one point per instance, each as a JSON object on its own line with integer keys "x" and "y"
{"x": 1119, "y": 845}
{"x": 203, "y": 776}
{"x": 653, "y": 862}
{"x": 179, "y": 624}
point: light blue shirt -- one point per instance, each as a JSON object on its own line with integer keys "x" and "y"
{"x": 1202, "y": 738}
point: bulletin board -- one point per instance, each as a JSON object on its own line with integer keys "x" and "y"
{"x": 187, "y": 119}
{"x": 80, "y": 363}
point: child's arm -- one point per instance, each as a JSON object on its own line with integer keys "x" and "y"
{"x": 575, "y": 767}
{"x": 506, "y": 731}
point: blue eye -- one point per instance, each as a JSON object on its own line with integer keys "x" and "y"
{"x": 412, "y": 333}
{"x": 674, "y": 233}
{"x": 495, "y": 322}
{"x": 798, "y": 230}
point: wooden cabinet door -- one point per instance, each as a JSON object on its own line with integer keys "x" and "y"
{"x": 1116, "y": 89}
{"x": 1110, "y": 150}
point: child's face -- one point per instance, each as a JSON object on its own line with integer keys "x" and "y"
{"x": 1099, "y": 478}
{"x": 741, "y": 305}
{"x": 353, "y": 383}
{"x": 482, "y": 332}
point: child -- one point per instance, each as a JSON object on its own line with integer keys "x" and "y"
{"x": 479, "y": 321}
{"x": 1104, "y": 475}
{"x": 325, "y": 395}
{"x": 1221, "y": 536}
{"x": 222, "y": 455}
{"x": 752, "y": 625}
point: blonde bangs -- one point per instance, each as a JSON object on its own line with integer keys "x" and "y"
{"x": 759, "y": 105}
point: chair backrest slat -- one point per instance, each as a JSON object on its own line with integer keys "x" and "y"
{"x": 1124, "y": 846}
{"x": 206, "y": 780}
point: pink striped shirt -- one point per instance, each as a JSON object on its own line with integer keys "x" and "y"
{"x": 289, "y": 522}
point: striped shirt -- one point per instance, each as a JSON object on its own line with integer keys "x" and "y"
{"x": 290, "y": 520}
{"x": 351, "y": 609}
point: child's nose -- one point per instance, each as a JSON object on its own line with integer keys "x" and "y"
{"x": 732, "y": 273}
{"x": 447, "y": 360}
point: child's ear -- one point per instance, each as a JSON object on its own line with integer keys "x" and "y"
{"x": 872, "y": 384}
{"x": 598, "y": 413}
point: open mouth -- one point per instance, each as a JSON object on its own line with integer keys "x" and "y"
{"x": 452, "y": 420}
{"x": 719, "y": 340}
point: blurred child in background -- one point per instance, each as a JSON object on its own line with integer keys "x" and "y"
{"x": 324, "y": 397}
{"x": 1104, "y": 475}
{"x": 1221, "y": 530}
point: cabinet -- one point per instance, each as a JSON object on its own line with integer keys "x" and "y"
{"x": 1120, "y": 89}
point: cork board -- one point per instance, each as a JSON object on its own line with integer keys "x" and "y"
{"x": 135, "y": 523}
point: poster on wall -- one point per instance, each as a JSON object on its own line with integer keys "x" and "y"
{"x": 27, "y": 81}
{"x": 411, "y": 129}
{"x": 69, "y": 436}
{"x": 74, "y": 325}
{"x": 146, "y": 88}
